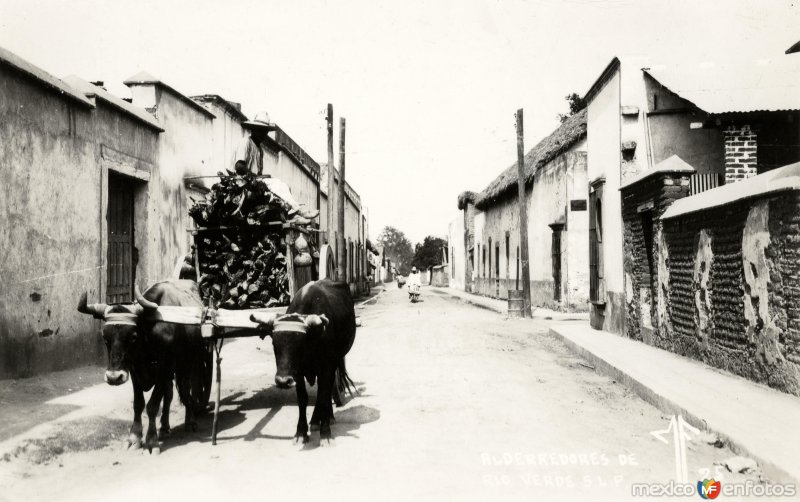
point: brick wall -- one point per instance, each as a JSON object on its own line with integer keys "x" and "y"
{"x": 734, "y": 289}
{"x": 741, "y": 153}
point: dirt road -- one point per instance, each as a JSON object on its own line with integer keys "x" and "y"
{"x": 457, "y": 403}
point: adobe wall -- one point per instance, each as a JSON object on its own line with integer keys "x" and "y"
{"x": 645, "y": 293}
{"x": 734, "y": 276}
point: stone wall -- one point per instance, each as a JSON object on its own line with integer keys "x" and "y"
{"x": 643, "y": 203}
{"x": 720, "y": 279}
{"x": 734, "y": 285}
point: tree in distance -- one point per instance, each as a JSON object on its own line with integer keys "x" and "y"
{"x": 397, "y": 248}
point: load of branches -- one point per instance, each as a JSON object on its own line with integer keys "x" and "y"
{"x": 241, "y": 255}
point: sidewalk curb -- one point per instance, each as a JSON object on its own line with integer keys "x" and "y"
{"x": 547, "y": 315}
{"x": 472, "y": 301}
{"x": 774, "y": 472}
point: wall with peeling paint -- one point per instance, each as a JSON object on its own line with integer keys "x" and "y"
{"x": 734, "y": 284}
{"x": 555, "y": 186}
{"x": 721, "y": 284}
{"x": 56, "y": 155}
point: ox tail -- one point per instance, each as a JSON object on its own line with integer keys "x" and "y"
{"x": 344, "y": 383}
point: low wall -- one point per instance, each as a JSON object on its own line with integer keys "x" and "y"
{"x": 717, "y": 276}
{"x": 734, "y": 289}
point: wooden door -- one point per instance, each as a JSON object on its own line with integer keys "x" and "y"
{"x": 497, "y": 269}
{"x": 121, "y": 266}
{"x": 555, "y": 253}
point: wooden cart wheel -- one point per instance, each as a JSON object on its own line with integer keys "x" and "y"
{"x": 206, "y": 368}
{"x": 327, "y": 262}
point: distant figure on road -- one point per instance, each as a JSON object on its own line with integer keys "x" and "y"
{"x": 250, "y": 158}
{"x": 413, "y": 282}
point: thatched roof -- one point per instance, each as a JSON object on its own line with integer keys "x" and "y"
{"x": 465, "y": 198}
{"x": 560, "y": 140}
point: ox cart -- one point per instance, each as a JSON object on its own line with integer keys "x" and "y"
{"x": 219, "y": 324}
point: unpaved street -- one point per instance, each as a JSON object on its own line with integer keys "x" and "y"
{"x": 457, "y": 403}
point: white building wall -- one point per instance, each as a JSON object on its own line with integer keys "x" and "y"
{"x": 455, "y": 238}
{"x": 603, "y": 161}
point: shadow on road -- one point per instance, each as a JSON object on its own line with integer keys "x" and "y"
{"x": 271, "y": 400}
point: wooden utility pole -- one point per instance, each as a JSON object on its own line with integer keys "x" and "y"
{"x": 342, "y": 261}
{"x": 330, "y": 231}
{"x": 523, "y": 220}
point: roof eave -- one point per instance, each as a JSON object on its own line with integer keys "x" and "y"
{"x": 66, "y": 91}
{"x": 602, "y": 80}
{"x": 154, "y": 81}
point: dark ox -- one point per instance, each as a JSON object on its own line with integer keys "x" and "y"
{"x": 151, "y": 353}
{"x": 310, "y": 342}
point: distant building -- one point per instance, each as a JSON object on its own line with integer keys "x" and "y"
{"x": 488, "y": 256}
{"x": 355, "y": 229}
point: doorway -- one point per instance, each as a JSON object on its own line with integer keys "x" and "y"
{"x": 121, "y": 260}
{"x": 497, "y": 269}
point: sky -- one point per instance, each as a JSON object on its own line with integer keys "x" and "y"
{"x": 429, "y": 88}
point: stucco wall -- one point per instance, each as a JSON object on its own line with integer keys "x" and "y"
{"x": 669, "y": 118}
{"x": 555, "y": 184}
{"x": 226, "y": 135}
{"x": 302, "y": 184}
{"x": 55, "y": 159}
{"x": 455, "y": 238}
{"x": 185, "y": 149}
{"x": 604, "y": 161}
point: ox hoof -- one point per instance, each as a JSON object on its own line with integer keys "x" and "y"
{"x": 132, "y": 443}
{"x": 164, "y": 433}
{"x": 155, "y": 450}
{"x": 301, "y": 440}
{"x": 326, "y": 442}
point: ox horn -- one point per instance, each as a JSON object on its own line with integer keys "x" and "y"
{"x": 265, "y": 321}
{"x": 314, "y": 320}
{"x": 144, "y": 302}
{"x": 96, "y": 310}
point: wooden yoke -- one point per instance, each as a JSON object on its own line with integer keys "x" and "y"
{"x": 237, "y": 321}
